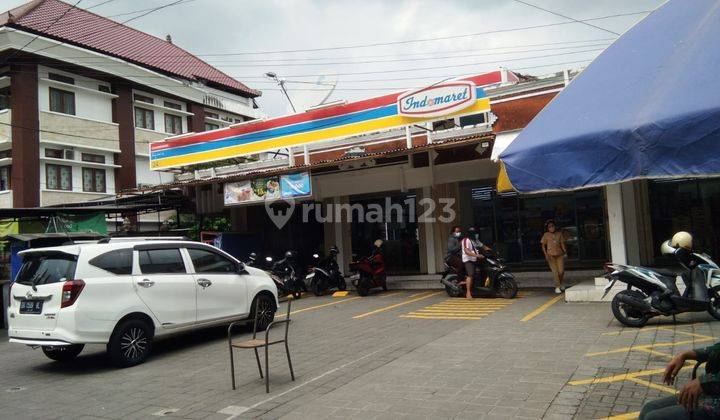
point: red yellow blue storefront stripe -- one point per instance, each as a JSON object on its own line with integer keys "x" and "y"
{"x": 294, "y": 130}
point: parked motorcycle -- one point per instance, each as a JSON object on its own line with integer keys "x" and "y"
{"x": 652, "y": 292}
{"x": 370, "y": 272}
{"x": 501, "y": 283}
{"x": 325, "y": 274}
{"x": 283, "y": 272}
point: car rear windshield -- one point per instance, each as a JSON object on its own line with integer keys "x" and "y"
{"x": 46, "y": 268}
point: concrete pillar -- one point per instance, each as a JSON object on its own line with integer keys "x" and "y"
{"x": 429, "y": 236}
{"x": 632, "y": 222}
{"x": 25, "y": 171}
{"x": 196, "y": 121}
{"x": 408, "y": 137}
{"x": 124, "y": 115}
{"x": 616, "y": 223}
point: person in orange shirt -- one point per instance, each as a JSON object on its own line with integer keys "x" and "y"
{"x": 553, "y": 246}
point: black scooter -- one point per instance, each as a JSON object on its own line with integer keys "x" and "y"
{"x": 502, "y": 284}
{"x": 324, "y": 275}
{"x": 652, "y": 292}
{"x": 283, "y": 272}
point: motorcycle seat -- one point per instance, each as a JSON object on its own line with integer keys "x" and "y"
{"x": 666, "y": 273}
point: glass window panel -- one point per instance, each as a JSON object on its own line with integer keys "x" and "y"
{"x": 65, "y": 178}
{"x": 99, "y": 180}
{"x": 51, "y": 177}
{"x": 88, "y": 179}
{"x": 5, "y": 178}
{"x": 210, "y": 262}
{"x": 161, "y": 261}
{"x": 173, "y": 124}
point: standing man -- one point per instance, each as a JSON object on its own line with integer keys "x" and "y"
{"x": 453, "y": 257}
{"x": 553, "y": 246}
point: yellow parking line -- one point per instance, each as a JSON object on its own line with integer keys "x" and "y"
{"x": 323, "y": 305}
{"x": 541, "y": 309}
{"x": 654, "y": 352}
{"x": 649, "y": 346}
{"x": 659, "y": 327}
{"x": 384, "y": 295}
{"x": 387, "y": 308}
{"x": 411, "y": 315}
{"x": 340, "y": 293}
{"x": 616, "y": 378}
{"x": 460, "y": 311}
{"x": 482, "y": 305}
{"x": 653, "y": 385}
{"x": 687, "y": 333}
{"x": 626, "y": 416}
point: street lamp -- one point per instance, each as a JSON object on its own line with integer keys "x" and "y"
{"x": 281, "y": 82}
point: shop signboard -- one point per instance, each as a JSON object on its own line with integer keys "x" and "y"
{"x": 437, "y": 100}
{"x": 295, "y": 185}
{"x": 465, "y": 96}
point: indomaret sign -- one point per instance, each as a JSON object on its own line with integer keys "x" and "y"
{"x": 440, "y": 101}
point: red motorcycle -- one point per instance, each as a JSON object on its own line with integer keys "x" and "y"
{"x": 371, "y": 271}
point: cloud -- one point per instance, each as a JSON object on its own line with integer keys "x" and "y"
{"x": 236, "y": 26}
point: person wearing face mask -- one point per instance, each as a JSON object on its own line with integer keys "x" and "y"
{"x": 471, "y": 254}
{"x": 553, "y": 246}
{"x": 453, "y": 257}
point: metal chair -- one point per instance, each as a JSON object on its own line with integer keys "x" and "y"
{"x": 256, "y": 343}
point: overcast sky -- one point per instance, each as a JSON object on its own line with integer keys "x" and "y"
{"x": 225, "y": 32}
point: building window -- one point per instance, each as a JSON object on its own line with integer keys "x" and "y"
{"x": 91, "y": 157}
{"x": 173, "y": 124}
{"x": 5, "y": 98}
{"x": 143, "y": 98}
{"x": 5, "y": 178}
{"x": 60, "y": 78}
{"x": 514, "y": 224}
{"x": 172, "y": 105}
{"x": 58, "y": 177}
{"x": 62, "y": 101}
{"x": 4, "y": 154}
{"x": 93, "y": 180}
{"x": 104, "y": 88}
{"x": 54, "y": 153}
{"x": 144, "y": 118}
{"x": 212, "y": 115}
{"x": 209, "y": 126}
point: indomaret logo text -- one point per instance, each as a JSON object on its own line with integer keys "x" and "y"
{"x": 437, "y": 100}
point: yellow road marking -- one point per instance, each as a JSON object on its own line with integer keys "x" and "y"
{"x": 384, "y": 295}
{"x": 387, "y": 308}
{"x": 480, "y": 305}
{"x": 655, "y": 352}
{"x": 653, "y": 385}
{"x": 626, "y": 416}
{"x": 411, "y": 315}
{"x": 458, "y": 311}
{"x": 650, "y": 346}
{"x": 323, "y": 305}
{"x": 616, "y": 378}
{"x": 541, "y": 309}
{"x": 687, "y": 333}
{"x": 659, "y": 327}
{"x": 340, "y": 293}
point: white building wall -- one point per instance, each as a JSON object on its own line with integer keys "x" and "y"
{"x": 90, "y": 102}
{"x": 77, "y": 164}
{"x": 159, "y": 110}
{"x": 145, "y": 176}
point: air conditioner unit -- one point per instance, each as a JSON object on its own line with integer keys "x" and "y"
{"x": 68, "y": 154}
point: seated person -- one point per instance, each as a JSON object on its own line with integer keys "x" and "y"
{"x": 698, "y": 399}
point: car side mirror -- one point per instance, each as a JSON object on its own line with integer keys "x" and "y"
{"x": 241, "y": 268}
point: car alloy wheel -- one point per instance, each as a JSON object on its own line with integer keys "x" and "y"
{"x": 133, "y": 343}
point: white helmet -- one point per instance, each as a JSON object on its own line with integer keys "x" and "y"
{"x": 666, "y": 248}
{"x": 378, "y": 243}
{"x": 682, "y": 240}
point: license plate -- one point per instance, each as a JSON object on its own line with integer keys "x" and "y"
{"x": 31, "y": 306}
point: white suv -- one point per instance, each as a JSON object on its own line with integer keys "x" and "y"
{"x": 126, "y": 292}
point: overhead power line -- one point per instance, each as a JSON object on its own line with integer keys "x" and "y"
{"x": 566, "y": 17}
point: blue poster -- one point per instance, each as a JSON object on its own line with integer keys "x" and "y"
{"x": 295, "y": 185}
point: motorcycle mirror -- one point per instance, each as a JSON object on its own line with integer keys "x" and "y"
{"x": 268, "y": 259}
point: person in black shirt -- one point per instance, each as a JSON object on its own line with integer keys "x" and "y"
{"x": 453, "y": 256}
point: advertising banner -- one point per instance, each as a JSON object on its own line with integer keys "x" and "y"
{"x": 267, "y": 189}
{"x": 295, "y": 185}
{"x": 252, "y": 191}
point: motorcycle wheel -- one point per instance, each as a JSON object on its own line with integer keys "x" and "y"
{"x": 317, "y": 288}
{"x": 627, "y": 315}
{"x": 342, "y": 285}
{"x": 507, "y": 288}
{"x": 714, "y": 304}
{"x": 362, "y": 287}
{"x": 296, "y": 294}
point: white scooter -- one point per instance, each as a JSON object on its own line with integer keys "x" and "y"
{"x": 652, "y": 292}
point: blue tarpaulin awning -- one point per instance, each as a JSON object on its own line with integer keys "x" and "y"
{"x": 647, "y": 107}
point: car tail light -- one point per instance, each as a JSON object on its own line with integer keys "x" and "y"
{"x": 607, "y": 267}
{"x": 70, "y": 292}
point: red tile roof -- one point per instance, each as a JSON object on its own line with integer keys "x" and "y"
{"x": 82, "y": 28}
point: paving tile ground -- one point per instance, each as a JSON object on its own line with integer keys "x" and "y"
{"x": 362, "y": 358}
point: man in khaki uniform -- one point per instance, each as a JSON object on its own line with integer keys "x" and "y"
{"x": 553, "y": 246}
